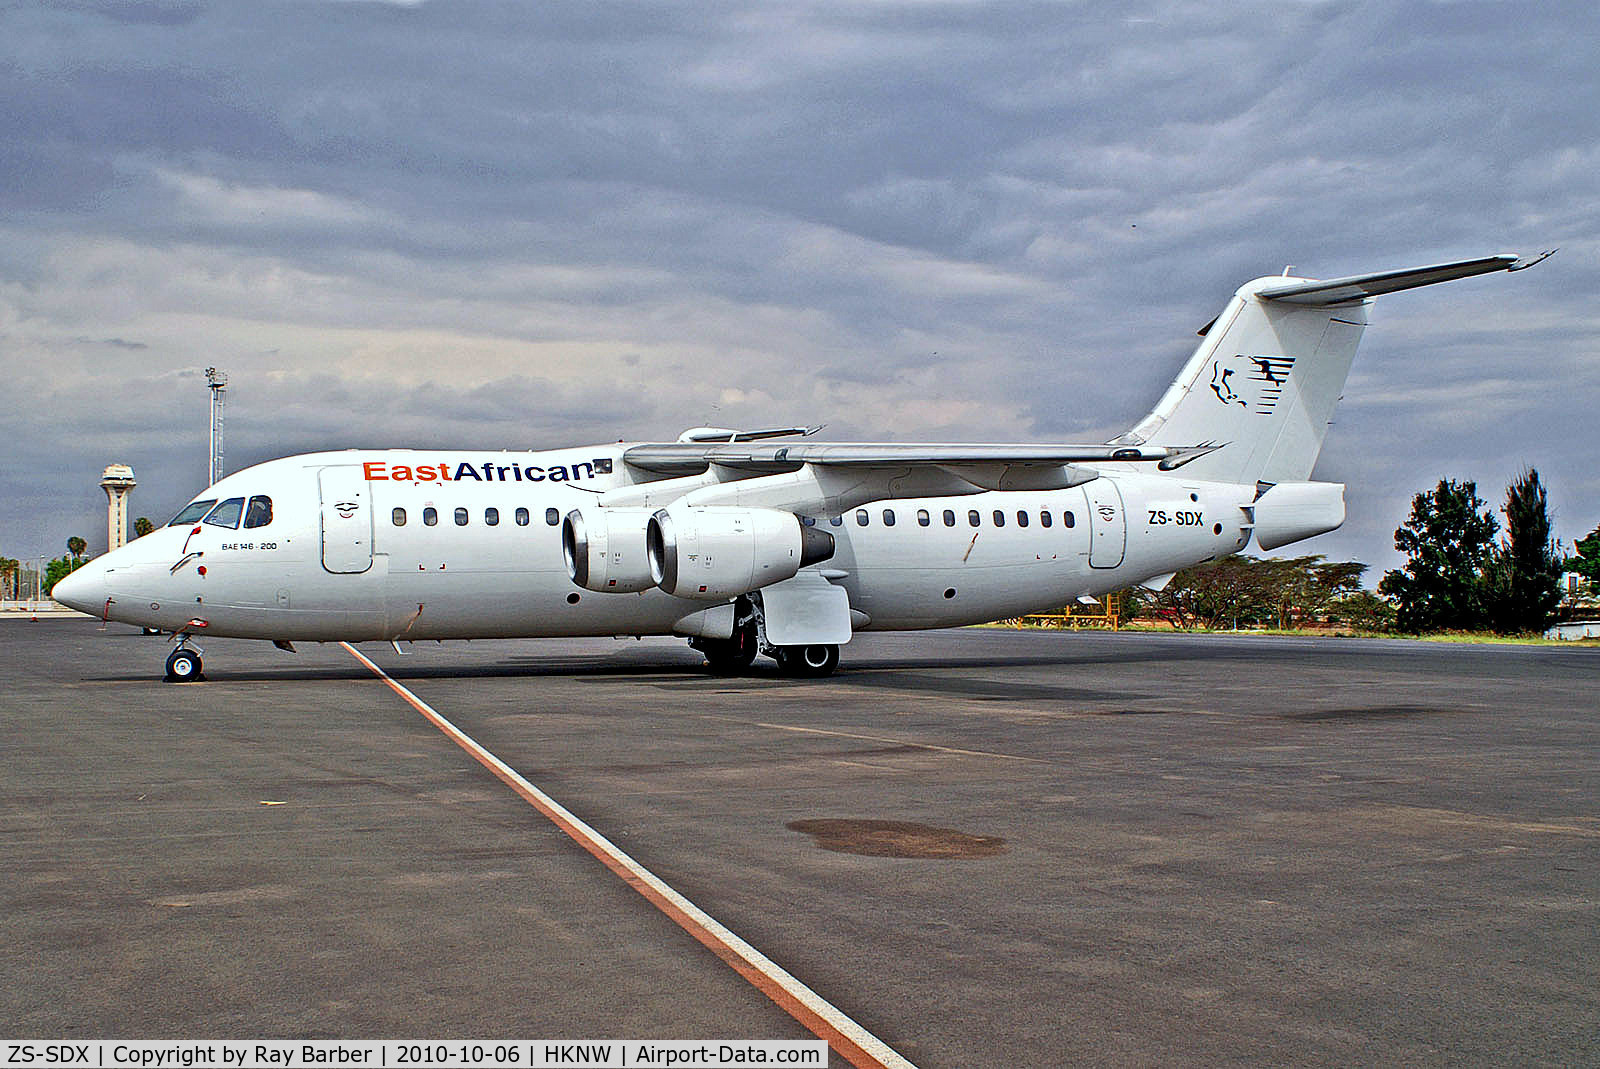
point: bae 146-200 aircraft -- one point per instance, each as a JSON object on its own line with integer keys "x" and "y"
{"x": 764, "y": 542}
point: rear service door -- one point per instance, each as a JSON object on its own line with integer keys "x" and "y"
{"x": 1108, "y": 527}
{"x": 346, "y": 520}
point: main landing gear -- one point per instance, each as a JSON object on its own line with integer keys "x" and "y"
{"x": 808, "y": 662}
{"x": 732, "y": 656}
{"x": 183, "y": 663}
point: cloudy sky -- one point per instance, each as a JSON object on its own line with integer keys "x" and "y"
{"x": 535, "y": 224}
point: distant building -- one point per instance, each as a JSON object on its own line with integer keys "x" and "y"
{"x": 118, "y": 483}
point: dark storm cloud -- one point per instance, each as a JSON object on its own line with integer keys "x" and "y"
{"x": 503, "y": 225}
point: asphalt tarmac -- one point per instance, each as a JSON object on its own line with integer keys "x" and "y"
{"x": 989, "y": 848}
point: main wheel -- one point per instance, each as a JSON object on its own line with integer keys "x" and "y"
{"x": 183, "y": 666}
{"x": 729, "y": 656}
{"x": 808, "y": 662}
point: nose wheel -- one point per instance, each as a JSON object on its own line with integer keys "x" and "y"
{"x": 183, "y": 665}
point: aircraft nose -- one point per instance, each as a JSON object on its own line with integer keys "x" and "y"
{"x": 85, "y": 589}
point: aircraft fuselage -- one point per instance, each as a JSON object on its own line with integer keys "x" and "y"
{"x": 438, "y": 544}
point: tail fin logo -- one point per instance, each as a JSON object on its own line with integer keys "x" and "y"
{"x": 1252, "y": 382}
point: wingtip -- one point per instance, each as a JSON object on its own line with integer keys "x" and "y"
{"x": 1522, "y": 263}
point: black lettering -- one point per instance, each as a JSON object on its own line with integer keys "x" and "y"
{"x": 532, "y": 478}
{"x": 467, "y": 471}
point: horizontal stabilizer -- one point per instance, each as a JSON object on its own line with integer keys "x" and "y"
{"x": 1359, "y": 287}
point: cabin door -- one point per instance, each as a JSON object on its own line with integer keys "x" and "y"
{"x": 346, "y": 520}
{"x": 1108, "y": 524}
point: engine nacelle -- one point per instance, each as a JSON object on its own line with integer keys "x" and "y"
{"x": 1289, "y": 512}
{"x": 719, "y": 552}
{"x": 605, "y": 551}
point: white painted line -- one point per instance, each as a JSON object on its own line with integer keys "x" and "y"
{"x": 847, "y": 1038}
{"x": 795, "y": 728}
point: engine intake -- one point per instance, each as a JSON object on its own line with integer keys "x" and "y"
{"x": 605, "y": 550}
{"x": 719, "y": 552}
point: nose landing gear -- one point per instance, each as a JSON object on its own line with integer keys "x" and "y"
{"x": 183, "y": 663}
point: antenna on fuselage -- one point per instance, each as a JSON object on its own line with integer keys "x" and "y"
{"x": 217, "y": 382}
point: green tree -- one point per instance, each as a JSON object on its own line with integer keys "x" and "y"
{"x": 9, "y": 570}
{"x": 1254, "y": 590}
{"x": 1586, "y": 558}
{"x": 1449, "y": 544}
{"x": 1311, "y": 585}
{"x": 142, "y": 526}
{"x": 1524, "y": 578}
{"x": 1363, "y": 610}
{"x": 59, "y": 569}
{"x": 76, "y": 547}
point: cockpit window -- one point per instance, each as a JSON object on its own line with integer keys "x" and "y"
{"x": 193, "y": 511}
{"x": 227, "y": 514}
{"x": 259, "y": 514}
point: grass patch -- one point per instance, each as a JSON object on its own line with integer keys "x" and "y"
{"x": 1486, "y": 638}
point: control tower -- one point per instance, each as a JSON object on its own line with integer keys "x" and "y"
{"x": 118, "y": 483}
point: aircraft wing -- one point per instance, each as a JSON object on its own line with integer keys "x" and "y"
{"x": 829, "y": 478}
{"x": 679, "y": 458}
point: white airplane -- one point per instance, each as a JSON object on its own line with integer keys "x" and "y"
{"x": 748, "y": 545}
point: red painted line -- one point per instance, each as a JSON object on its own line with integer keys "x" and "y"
{"x": 820, "y": 1017}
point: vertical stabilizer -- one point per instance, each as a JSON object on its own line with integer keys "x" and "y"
{"x": 1264, "y": 381}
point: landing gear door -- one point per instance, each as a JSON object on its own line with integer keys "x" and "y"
{"x": 1108, "y": 524}
{"x": 346, "y": 520}
{"x": 806, "y": 610}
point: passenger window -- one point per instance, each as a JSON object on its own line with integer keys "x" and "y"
{"x": 836, "y": 520}
{"x": 949, "y": 518}
{"x": 808, "y": 521}
{"x": 522, "y": 517}
{"x": 227, "y": 514}
{"x": 1044, "y": 518}
{"x": 888, "y": 517}
{"x": 259, "y": 514}
{"x": 922, "y": 517}
{"x": 491, "y": 517}
{"x": 430, "y": 516}
{"x": 461, "y": 517}
{"x": 973, "y": 519}
{"x": 999, "y": 518}
{"x": 193, "y": 511}
{"x": 1068, "y": 520}
{"x": 1022, "y": 518}
{"x": 552, "y": 517}
{"x": 399, "y": 517}
{"x": 861, "y": 517}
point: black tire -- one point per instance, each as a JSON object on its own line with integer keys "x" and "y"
{"x": 183, "y": 666}
{"x": 730, "y": 656}
{"x": 808, "y": 662}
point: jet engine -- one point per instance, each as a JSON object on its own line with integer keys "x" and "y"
{"x": 604, "y": 549}
{"x": 719, "y": 552}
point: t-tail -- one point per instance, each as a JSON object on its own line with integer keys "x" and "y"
{"x": 1262, "y": 386}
